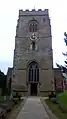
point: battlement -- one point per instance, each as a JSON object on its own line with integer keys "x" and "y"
{"x": 35, "y": 12}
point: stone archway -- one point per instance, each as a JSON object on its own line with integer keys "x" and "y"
{"x": 33, "y": 77}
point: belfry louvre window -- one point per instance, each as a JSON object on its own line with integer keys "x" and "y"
{"x": 33, "y": 26}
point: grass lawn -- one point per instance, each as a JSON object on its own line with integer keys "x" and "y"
{"x": 56, "y": 110}
{"x": 63, "y": 98}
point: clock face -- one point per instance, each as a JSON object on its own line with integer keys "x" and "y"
{"x": 33, "y": 37}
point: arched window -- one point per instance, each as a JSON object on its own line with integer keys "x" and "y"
{"x": 33, "y": 71}
{"x": 33, "y": 45}
{"x": 33, "y": 26}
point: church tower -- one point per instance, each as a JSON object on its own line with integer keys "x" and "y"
{"x": 33, "y": 58}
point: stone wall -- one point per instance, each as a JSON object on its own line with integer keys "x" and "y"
{"x": 58, "y": 80}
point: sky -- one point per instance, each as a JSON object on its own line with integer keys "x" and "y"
{"x": 9, "y": 11}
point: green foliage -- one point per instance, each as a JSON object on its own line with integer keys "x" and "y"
{"x": 62, "y": 97}
{"x": 1, "y": 99}
{"x": 56, "y": 110}
{"x": 60, "y": 110}
{"x": 64, "y": 68}
{"x": 65, "y": 39}
{"x": 3, "y": 81}
{"x": 3, "y": 78}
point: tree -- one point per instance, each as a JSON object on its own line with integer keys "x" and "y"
{"x": 61, "y": 67}
{"x": 3, "y": 81}
{"x": 9, "y": 86}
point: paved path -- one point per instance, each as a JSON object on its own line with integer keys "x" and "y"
{"x": 33, "y": 109}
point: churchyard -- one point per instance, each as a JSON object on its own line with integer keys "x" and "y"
{"x": 9, "y": 107}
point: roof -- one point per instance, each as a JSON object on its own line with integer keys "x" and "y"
{"x": 9, "y": 72}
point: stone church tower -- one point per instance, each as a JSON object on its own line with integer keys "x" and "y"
{"x": 33, "y": 58}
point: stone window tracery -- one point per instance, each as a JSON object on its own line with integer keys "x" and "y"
{"x": 33, "y": 26}
{"x": 33, "y": 71}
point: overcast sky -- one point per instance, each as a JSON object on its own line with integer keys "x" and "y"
{"x": 9, "y": 10}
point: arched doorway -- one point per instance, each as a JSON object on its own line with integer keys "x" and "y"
{"x": 33, "y": 77}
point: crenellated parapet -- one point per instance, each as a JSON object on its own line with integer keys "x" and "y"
{"x": 33, "y": 12}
